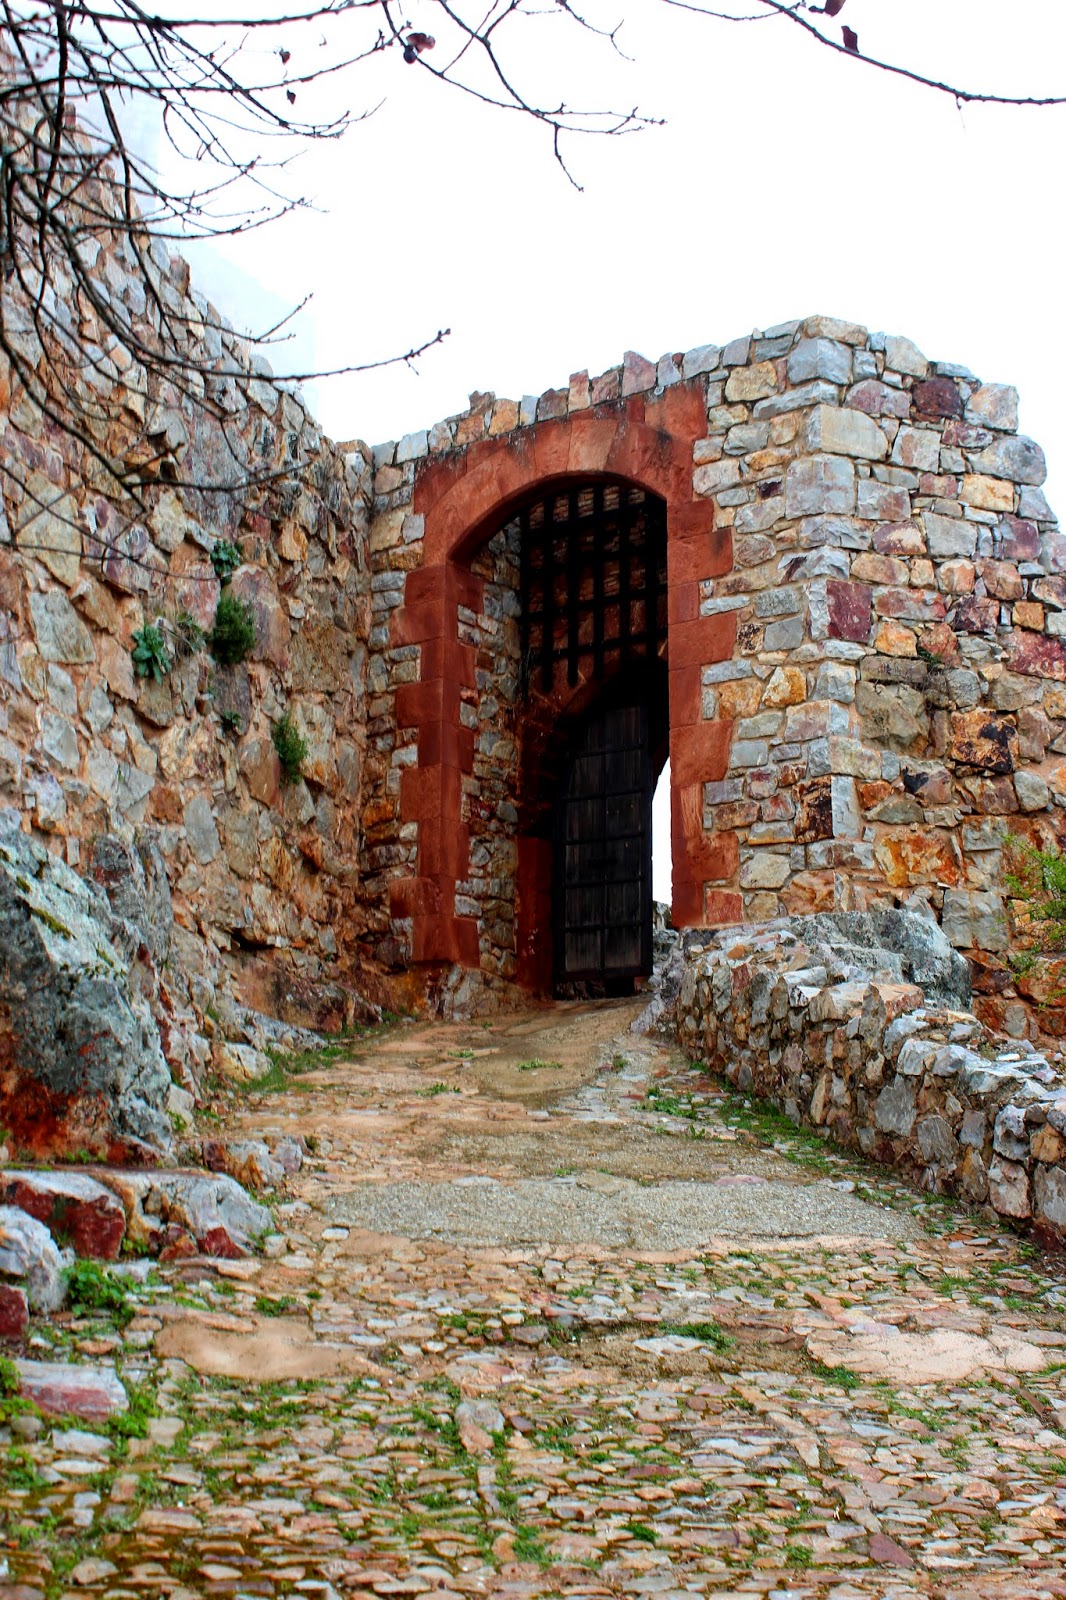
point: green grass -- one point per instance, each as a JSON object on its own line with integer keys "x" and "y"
{"x": 706, "y": 1332}
{"x": 641, "y": 1531}
{"x": 91, "y": 1288}
{"x": 537, "y": 1065}
{"x": 433, "y": 1089}
{"x": 840, "y": 1377}
{"x": 268, "y": 1307}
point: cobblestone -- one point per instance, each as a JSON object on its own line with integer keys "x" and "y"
{"x": 548, "y": 1418}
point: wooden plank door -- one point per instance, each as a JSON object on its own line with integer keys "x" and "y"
{"x": 603, "y": 852}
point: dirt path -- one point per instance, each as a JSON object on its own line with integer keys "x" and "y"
{"x": 548, "y": 1313}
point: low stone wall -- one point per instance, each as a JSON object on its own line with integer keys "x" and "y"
{"x": 857, "y": 1024}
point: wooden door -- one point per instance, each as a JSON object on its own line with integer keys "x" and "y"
{"x": 603, "y": 852}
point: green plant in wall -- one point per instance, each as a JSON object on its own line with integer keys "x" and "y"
{"x": 225, "y": 558}
{"x": 151, "y": 658}
{"x": 1037, "y": 878}
{"x": 185, "y": 635}
{"x": 291, "y": 747}
{"x": 232, "y": 721}
{"x": 233, "y": 635}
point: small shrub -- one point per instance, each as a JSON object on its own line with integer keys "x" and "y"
{"x": 268, "y": 1307}
{"x": 151, "y": 658}
{"x": 231, "y": 721}
{"x": 233, "y": 635}
{"x": 1038, "y": 879}
{"x": 186, "y": 636}
{"x": 291, "y": 747}
{"x": 225, "y": 558}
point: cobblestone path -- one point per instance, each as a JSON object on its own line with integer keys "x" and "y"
{"x": 550, "y": 1314}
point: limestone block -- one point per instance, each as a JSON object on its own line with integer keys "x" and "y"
{"x": 83, "y": 1064}
{"x": 949, "y": 537}
{"x": 1008, "y": 1189}
{"x": 59, "y": 631}
{"x": 987, "y": 494}
{"x": 49, "y": 529}
{"x": 820, "y": 484}
{"x": 1017, "y": 459}
{"x": 903, "y": 356}
{"x": 975, "y": 920}
{"x": 28, "y": 1253}
{"x": 752, "y": 383}
{"x": 894, "y": 1109}
{"x": 994, "y": 405}
{"x": 846, "y": 432}
{"x": 819, "y": 358}
{"x": 918, "y": 449}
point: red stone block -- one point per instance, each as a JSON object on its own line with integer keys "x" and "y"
{"x": 446, "y": 939}
{"x": 721, "y": 907}
{"x": 704, "y": 641}
{"x": 418, "y": 703}
{"x": 75, "y": 1209}
{"x": 218, "y": 1243}
{"x": 977, "y": 614}
{"x": 849, "y": 610}
{"x": 1037, "y": 656}
{"x": 414, "y": 897}
{"x": 682, "y": 603}
{"x": 700, "y": 753}
{"x": 936, "y": 397}
{"x": 678, "y": 411}
{"x": 686, "y": 696}
{"x": 14, "y": 1311}
{"x": 686, "y": 908}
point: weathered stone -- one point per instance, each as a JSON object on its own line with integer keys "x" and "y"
{"x": 212, "y": 1208}
{"x": 14, "y": 1311}
{"x": 94, "y": 1393}
{"x": 819, "y": 484}
{"x": 1008, "y": 1189}
{"x": 49, "y": 528}
{"x": 76, "y": 1210}
{"x": 985, "y": 739}
{"x": 28, "y": 1253}
{"x": 1016, "y": 459}
{"x": 845, "y": 432}
{"x": 80, "y": 1060}
{"x": 60, "y": 633}
{"x": 994, "y": 405}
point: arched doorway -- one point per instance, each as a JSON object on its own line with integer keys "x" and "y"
{"x": 591, "y": 725}
{"x": 488, "y": 698}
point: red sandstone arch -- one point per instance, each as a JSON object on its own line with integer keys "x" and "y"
{"x": 464, "y": 496}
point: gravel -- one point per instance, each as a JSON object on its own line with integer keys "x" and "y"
{"x": 613, "y": 1211}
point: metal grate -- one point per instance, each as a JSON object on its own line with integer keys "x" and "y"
{"x": 593, "y": 580}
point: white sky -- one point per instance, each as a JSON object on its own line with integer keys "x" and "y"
{"x": 786, "y": 181}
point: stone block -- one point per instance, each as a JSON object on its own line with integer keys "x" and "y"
{"x": 76, "y": 1210}
{"x": 894, "y": 1109}
{"x": 1008, "y": 1189}
{"x": 842, "y": 431}
{"x": 917, "y": 449}
{"x": 949, "y": 537}
{"x": 820, "y": 484}
{"x": 975, "y": 920}
{"x": 819, "y": 358}
{"x": 1017, "y": 459}
{"x": 994, "y": 405}
{"x": 903, "y": 356}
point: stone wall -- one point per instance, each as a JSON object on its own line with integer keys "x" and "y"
{"x": 264, "y": 877}
{"x": 856, "y": 1024}
{"x": 867, "y": 643}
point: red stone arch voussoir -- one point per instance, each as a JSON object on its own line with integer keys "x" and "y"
{"x": 464, "y": 497}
